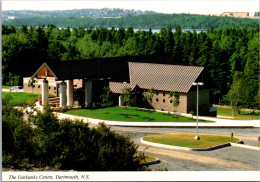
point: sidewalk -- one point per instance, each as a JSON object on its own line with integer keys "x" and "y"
{"x": 218, "y": 122}
{"x": 225, "y": 123}
{"x": 8, "y": 90}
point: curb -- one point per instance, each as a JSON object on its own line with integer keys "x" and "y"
{"x": 165, "y": 146}
{"x": 156, "y": 161}
{"x": 245, "y": 146}
{"x": 186, "y": 148}
{"x": 146, "y": 124}
{"x": 213, "y": 148}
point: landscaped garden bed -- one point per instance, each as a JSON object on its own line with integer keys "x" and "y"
{"x": 132, "y": 114}
{"x": 187, "y": 140}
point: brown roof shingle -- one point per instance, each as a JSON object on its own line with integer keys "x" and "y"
{"x": 163, "y": 77}
{"x": 117, "y": 87}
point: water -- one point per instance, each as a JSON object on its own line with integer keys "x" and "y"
{"x": 173, "y": 30}
{"x": 155, "y": 30}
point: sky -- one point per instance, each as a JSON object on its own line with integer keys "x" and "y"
{"x": 162, "y": 6}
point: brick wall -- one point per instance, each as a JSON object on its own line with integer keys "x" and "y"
{"x": 161, "y": 101}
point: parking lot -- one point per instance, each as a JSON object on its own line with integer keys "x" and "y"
{"x": 224, "y": 159}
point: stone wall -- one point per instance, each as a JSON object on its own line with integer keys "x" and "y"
{"x": 53, "y": 87}
{"x": 162, "y": 101}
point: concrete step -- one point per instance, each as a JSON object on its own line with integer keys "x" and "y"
{"x": 54, "y": 99}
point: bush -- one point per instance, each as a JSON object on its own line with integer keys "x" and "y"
{"x": 17, "y": 135}
{"x": 63, "y": 144}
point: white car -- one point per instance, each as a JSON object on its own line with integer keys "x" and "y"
{"x": 18, "y": 88}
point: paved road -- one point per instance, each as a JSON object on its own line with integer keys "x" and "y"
{"x": 224, "y": 159}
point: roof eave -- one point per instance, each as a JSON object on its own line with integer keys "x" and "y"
{"x": 45, "y": 64}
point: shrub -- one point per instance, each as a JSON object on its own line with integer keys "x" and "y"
{"x": 17, "y": 135}
{"x": 43, "y": 140}
{"x": 74, "y": 145}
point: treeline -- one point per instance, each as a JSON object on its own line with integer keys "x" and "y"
{"x": 142, "y": 21}
{"x": 44, "y": 141}
{"x": 224, "y": 52}
{"x": 76, "y": 13}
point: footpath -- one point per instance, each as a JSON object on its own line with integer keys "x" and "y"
{"x": 216, "y": 122}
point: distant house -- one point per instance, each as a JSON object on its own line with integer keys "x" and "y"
{"x": 83, "y": 80}
{"x": 236, "y": 14}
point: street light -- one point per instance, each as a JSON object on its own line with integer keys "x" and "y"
{"x": 197, "y": 84}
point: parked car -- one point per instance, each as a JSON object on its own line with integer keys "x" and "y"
{"x": 17, "y": 88}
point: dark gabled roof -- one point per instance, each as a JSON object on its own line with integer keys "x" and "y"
{"x": 117, "y": 87}
{"x": 90, "y": 69}
{"x": 116, "y": 68}
{"x": 164, "y": 77}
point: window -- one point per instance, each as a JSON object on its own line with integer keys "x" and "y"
{"x": 157, "y": 100}
{"x": 49, "y": 88}
{"x": 170, "y": 101}
{"x": 156, "y": 93}
{"x": 54, "y": 88}
{"x": 163, "y": 100}
{"x": 39, "y": 86}
{"x": 163, "y": 94}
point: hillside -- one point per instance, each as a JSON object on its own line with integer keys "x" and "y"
{"x": 154, "y": 21}
{"x": 79, "y": 13}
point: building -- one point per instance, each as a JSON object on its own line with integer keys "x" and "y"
{"x": 83, "y": 81}
{"x": 236, "y": 14}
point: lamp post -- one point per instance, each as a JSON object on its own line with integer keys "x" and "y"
{"x": 197, "y": 84}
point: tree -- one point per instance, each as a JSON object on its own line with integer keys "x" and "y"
{"x": 251, "y": 73}
{"x": 127, "y": 97}
{"x": 175, "y": 101}
{"x": 14, "y": 80}
{"x": 236, "y": 92}
{"x": 148, "y": 96}
{"x": 106, "y": 97}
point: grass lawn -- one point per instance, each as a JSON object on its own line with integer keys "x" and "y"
{"x": 5, "y": 87}
{"x": 242, "y": 116}
{"x": 20, "y": 97}
{"x": 136, "y": 114}
{"x": 187, "y": 140}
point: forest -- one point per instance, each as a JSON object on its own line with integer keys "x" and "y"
{"x": 155, "y": 21}
{"x": 79, "y": 13}
{"x": 230, "y": 55}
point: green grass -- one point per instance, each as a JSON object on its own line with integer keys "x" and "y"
{"x": 5, "y": 87}
{"x": 187, "y": 140}
{"x": 19, "y": 98}
{"x": 136, "y": 114}
{"x": 242, "y": 116}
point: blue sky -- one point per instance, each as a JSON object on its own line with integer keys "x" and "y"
{"x": 164, "y": 6}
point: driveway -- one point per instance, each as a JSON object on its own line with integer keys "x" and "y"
{"x": 224, "y": 159}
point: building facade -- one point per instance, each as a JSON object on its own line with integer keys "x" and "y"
{"x": 73, "y": 80}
